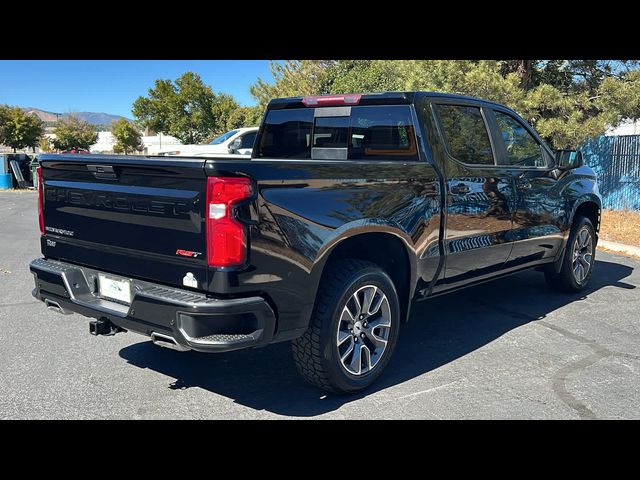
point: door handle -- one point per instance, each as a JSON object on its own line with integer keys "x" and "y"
{"x": 105, "y": 172}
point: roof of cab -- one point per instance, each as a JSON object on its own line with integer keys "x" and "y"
{"x": 381, "y": 98}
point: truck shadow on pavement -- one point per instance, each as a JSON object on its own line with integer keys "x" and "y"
{"x": 266, "y": 379}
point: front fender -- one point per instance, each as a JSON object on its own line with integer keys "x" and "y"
{"x": 577, "y": 187}
{"x": 586, "y": 198}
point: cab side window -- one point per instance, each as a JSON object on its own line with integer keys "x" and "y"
{"x": 466, "y": 134}
{"x": 382, "y": 133}
{"x": 521, "y": 147}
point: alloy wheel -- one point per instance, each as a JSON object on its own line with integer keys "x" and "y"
{"x": 582, "y": 254}
{"x": 363, "y": 330}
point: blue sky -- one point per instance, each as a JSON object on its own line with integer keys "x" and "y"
{"x": 111, "y": 86}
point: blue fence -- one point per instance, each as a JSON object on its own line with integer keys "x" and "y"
{"x": 616, "y": 161}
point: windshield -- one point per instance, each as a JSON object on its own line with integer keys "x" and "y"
{"x": 223, "y": 137}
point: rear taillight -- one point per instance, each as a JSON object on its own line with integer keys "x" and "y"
{"x": 331, "y": 100}
{"x": 40, "y": 199}
{"x": 226, "y": 236}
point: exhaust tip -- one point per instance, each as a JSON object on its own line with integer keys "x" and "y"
{"x": 167, "y": 342}
{"x": 55, "y": 306}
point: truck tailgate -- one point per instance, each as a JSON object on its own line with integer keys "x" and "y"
{"x": 132, "y": 216}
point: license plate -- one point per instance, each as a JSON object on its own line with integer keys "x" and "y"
{"x": 114, "y": 288}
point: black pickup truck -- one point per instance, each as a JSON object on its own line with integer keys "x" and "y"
{"x": 351, "y": 208}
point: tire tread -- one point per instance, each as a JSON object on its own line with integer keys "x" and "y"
{"x": 563, "y": 281}
{"x": 307, "y": 348}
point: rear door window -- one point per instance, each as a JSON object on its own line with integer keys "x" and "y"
{"x": 382, "y": 133}
{"x": 356, "y": 133}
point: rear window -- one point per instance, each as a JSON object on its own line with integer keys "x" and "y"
{"x": 331, "y": 132}
{"x": 287, "y": 134}
{"x": 364, "y": 132}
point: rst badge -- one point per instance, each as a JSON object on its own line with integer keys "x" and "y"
{"x": 188, "y": 253}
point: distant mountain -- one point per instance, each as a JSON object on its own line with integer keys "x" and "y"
{"x": 44, "y": 116}
{"x": 95, "y": 118}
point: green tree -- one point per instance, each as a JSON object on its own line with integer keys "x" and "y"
{"x": 223, "y": 108}
{"x": 44, "y": 144}
{"x": 4, "y": 117}
{"x": 18, "y": 129}
{"x": 128, "y": 137}
{"x": 294, "y": 78}
{"x": 155, "y": 110}
{"x": 245, "y": 117}
{"x": 74, "y": 134}
{"x": 187, "y": 109}
{"x": 360, "y": 76}
{"x": 567, "y": 101}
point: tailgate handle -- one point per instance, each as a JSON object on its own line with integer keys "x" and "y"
{"x": 103, "y": 171}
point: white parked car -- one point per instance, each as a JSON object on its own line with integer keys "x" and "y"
{"x": 239, "y": 142}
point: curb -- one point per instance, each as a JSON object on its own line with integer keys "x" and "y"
{"x": 619, "y": 247}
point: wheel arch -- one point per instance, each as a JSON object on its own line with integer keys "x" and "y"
{"x": 591, "y": 207}
{"x": 386, "y": 246}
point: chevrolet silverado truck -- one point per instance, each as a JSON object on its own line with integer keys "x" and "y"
{"x": 350, "y": 209}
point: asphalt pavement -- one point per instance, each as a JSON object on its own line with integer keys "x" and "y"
{"x": 505, "y": 349}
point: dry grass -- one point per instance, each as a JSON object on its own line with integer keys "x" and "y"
{"x": 19, "y": 190}
{"x": 622, "y": 226}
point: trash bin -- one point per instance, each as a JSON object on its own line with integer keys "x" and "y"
{"x": 6, "y": 181}
{"x": 19, "y": 166}
{"x": 35, "y": 163}
{"x": 4, "y": 167}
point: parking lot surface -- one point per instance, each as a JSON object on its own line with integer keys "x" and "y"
{"x": 505, "y": 349}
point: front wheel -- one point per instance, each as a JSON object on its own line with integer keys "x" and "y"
{"x": 353, "y": 328}
{"x": 578, "y": 261}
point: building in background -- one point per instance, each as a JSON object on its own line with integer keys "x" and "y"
{"x": 627, "y": 127}
{"x": 153, "y": 143}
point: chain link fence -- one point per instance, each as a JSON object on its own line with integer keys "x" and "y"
{"x": 616, "y": 161}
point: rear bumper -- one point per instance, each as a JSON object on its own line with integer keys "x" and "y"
{"x": 194, "y": 320}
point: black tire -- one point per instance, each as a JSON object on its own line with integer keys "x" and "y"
{"x": 565, "y": 280}
{"x": 317, "y": 354}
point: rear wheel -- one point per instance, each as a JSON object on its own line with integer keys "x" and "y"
{"x": 579, "y": 257}
{"x": 353, "y": 328}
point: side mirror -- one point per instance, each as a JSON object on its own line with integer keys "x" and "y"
{"x": 569, "y": 159}
{"x": 235, "y": 145}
